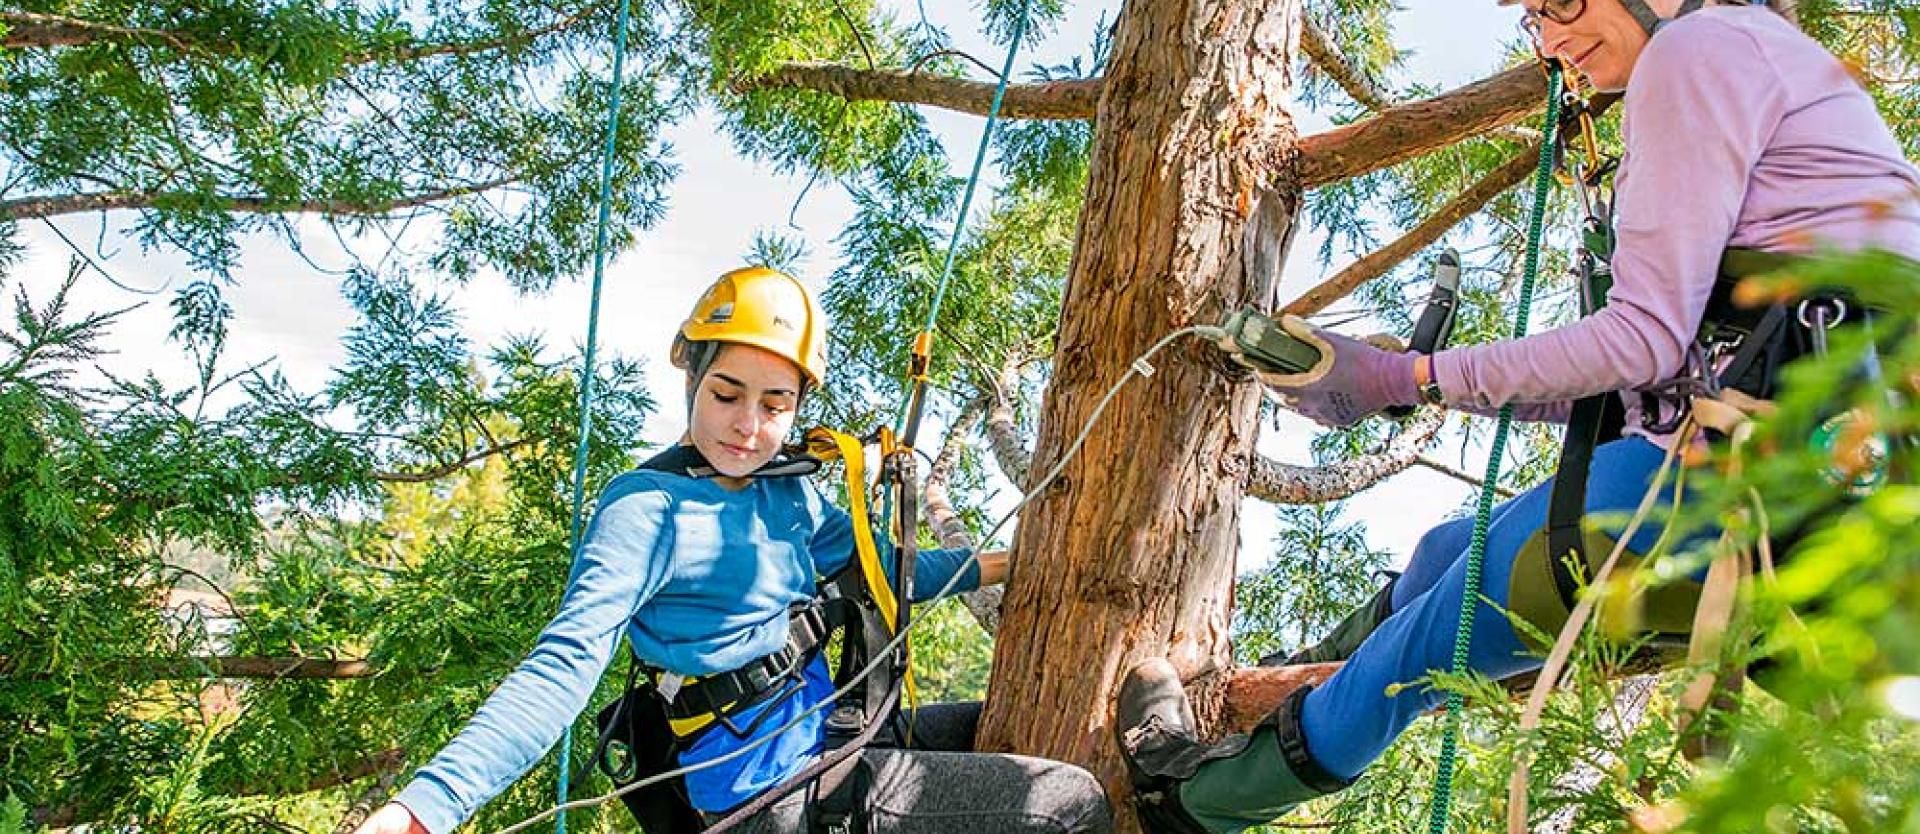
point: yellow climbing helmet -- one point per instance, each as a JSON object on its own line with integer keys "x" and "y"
{"x": 757, "y": 306}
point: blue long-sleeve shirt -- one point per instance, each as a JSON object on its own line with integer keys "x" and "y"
{"x": 700, "y": 578}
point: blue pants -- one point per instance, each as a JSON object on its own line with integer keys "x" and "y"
{"x": 1349, "y": 720}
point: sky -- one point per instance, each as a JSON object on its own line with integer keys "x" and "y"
{"x": 288, "y": 311}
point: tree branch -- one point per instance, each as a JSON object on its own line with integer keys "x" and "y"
{"x": 31, "y": 30}
{"x": 1384, "y": 259}
{"x": 1073, "y": 99}
{"x": 1408, "y": 130}
{"x": 369, "y": 800}
{"x": 1476, "y": 196}
{"x": 60, "y": 204}
{"x": 1003, "y": 431}
{"x": 936, "y": 507}
{"x": 450, "y": 467}
{"x": 1327, "y": 59}
{"x": 938, "y": 510}
{"x": 1458, "y": 475}
{"x": 1285, "y": 483}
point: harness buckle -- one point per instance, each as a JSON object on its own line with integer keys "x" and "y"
{"x": 668, "y": 684}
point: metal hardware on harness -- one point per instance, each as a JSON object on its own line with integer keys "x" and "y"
{"x": 1827, "y": 313}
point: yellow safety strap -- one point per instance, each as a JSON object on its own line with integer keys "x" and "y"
{"x": 829, "y": 445}
{"x": 683, "y": 727}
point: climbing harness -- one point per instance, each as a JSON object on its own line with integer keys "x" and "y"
{"x": 661, "y": 713}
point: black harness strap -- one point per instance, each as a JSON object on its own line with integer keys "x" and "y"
{"x": 686, "y": 461}
{"x": 1595, "y": 420}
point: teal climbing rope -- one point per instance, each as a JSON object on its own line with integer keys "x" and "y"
{"x": 1442, "y": 805}
{"x": 904, "y": 421}
{"x": 580, "y": 448}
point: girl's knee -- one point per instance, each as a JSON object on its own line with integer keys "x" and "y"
{"x": 1076, "y": 800}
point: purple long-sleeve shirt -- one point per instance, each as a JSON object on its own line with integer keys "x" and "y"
{"x": 1740, "y": 131}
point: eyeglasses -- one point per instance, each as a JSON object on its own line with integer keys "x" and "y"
{"x": 1563, "y": 12}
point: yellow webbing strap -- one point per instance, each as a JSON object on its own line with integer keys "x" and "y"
{"x": 683, "y": 727}
{"x": 829, "y": 445}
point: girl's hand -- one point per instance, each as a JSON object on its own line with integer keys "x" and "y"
{"x": 392, "y": 818}
{"x": 993, "y": 567}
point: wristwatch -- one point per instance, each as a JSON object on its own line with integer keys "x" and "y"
{"x": 1430, "y": 390}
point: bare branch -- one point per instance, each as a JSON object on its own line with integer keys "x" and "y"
{"x": 370, "y": 799}
{"x": 936, "y": 507}
{"x": 31, "y": 30}
{"x": 938, "y": 511}
{"x": 1408, "y": 130}
{"x": 1384, "y": 259}
{"x": 1286, "y": 483}
{"x": 1072, "y": 99}
{"x": 1458, "y": 475}
{"x": 1476, "y": 196}
{"x": 1003, "y": 431}
{"x": 60, "y": 204}
{"x": 1327, "y": 59}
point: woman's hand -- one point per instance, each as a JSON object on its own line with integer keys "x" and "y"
{"x": 392, "y": 818}
{"x": 1352, "y": 380}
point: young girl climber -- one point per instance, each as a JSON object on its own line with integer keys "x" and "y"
{"x": 710, "y": 561}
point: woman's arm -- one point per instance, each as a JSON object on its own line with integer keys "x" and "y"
{"x": 1702, "y": 106}
{"x": 616, "y": 571}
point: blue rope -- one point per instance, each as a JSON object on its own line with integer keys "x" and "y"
{"x": 593, "y": 335}
{"x": 973, "y": 182}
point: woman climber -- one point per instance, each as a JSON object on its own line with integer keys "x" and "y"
{"x": 1740, "y": 133}
{"x": 710, "y": 559}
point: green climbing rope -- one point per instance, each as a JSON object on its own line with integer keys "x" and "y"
{"x": 580, "y": 448}
{"x": 1477, "y": 550}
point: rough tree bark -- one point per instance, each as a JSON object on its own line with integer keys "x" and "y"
{"x": 1129, "y": 555}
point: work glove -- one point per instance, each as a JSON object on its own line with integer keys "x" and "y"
{"x": 1353, "y": 379}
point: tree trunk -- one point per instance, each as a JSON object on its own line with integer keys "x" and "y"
{"x": 1130, "y": 554}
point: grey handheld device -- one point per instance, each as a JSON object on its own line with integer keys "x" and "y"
{"x": 1266, "y": 347}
